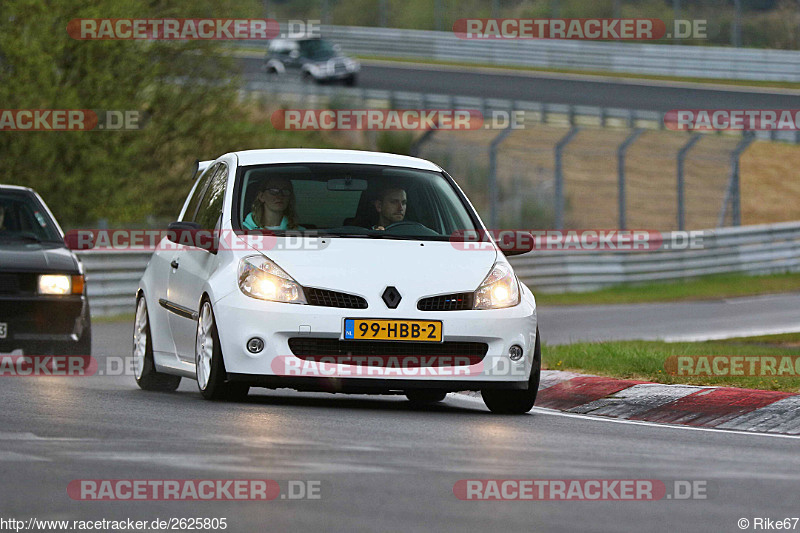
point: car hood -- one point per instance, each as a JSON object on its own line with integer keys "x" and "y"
{"x": 365, "y": 267}
{"x": 36, "y": 257}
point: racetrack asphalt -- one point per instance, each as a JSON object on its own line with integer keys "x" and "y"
{"x": 639, "y": 94}
{"x": 383, "y": 464}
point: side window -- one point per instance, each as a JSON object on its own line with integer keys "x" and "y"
{"x": 210, "y": 208}
{"x": 202, "y": 184}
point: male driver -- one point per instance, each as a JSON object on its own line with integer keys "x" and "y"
{"x": 391, "y": 207}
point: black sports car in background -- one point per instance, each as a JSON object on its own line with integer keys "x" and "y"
{"x": 43, "y": 305}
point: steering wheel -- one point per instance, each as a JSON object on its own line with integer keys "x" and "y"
{"x": 405, "y": 223}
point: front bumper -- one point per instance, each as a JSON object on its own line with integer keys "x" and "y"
{"x": 45, "y": 325}
{"x": 240, "y": 318}
{"x": 333, "y": 71}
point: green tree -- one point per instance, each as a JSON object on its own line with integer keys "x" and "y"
{"x": 188, "y": 89}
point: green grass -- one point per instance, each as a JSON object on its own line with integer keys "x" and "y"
{"x": 645, "y": 360}
{"x": 703, "y": 288}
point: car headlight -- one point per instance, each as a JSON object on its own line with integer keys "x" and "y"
{"x": 261, "y": 278}
{"x": 351, "y": 64}
{"x": 499, "y": 289}
{"x": 60, "y": 284}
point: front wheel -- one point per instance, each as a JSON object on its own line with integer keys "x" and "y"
{"x": 517, "y": 402}
{"x": 212, "y": 379}
{"x": 143, "y": 365}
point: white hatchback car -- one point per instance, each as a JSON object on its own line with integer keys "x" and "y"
{"x": 336, "y": 271}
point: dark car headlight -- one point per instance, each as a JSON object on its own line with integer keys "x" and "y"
{"x": 59, "y": 284}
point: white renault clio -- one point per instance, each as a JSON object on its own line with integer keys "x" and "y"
{"x": 337, "y": 271}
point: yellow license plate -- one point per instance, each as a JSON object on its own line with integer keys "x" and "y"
{"x": 379, "y": 329}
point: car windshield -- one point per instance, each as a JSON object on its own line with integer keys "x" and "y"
{"x": 351, "y": 200}
{"x": 317, "y": 49}
{"x": 23, "y": 218}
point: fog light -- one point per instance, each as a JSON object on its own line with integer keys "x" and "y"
{"x": 255, "y": 345}
{"x": 515, "y": 353}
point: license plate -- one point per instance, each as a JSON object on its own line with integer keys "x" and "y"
{"x": 3, "y": 330}
{"x": 380, "y": 329}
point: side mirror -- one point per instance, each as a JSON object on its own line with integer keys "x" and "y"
{"x": 294, "y": 54}
{"x": 191, "y": 234}
{"x": 79, "y": 239}
{"x": 515, "y": 242}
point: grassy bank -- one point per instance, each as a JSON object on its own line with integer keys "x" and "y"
{"x": 645, "y": 360}
{"x": 705, "y": 288}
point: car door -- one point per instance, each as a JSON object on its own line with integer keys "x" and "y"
{"x": 160, "y": 270}
{"x": 192, "y": 266}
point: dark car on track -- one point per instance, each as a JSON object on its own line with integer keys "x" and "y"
{"x": 315, "y": 59}
{"x": 43, "y": 305}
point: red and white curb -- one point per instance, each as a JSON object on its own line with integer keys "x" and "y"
{"x": 706, "y": 407}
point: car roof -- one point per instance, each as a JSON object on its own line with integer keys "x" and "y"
{"x": 19, "y": 188}
{"x": 307, "y": 155}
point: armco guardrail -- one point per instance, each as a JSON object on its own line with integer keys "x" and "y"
{"x": 635, "y": 58}
{"x": 112, "y": 277}
{"x": 761, "y": 249}
{"x": 305, "y": 94}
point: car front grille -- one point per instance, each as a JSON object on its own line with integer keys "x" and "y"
{"x": 414, "y": 353}
{"x": 326, "y": 298}
{"x": 9, "y": 284}
{"x": 447, "y": 302}
{"x": 17, "y": 283}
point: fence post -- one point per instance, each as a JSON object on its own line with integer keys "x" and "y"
{"x": 559, "y": 174}
{"x": 493, "y": 188}
{"x": 635, "y": 134}
{"x": 417, "y": 145}
{"x": 680, "y": 186}
{"x": 733, "y": 193}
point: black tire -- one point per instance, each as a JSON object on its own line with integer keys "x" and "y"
{"x": 425, "y": 397}
{"x": 517, "y": 402}
{"x": 218, "y": 387}
{"x": 350, "y": 81}
{"x": 150, "y": 379}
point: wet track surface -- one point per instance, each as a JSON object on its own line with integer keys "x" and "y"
{"x": 383, "y": 464}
